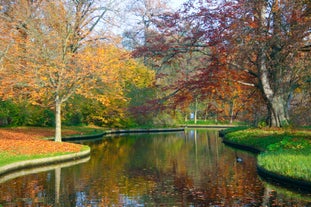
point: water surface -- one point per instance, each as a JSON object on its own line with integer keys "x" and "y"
{"x": 192, "y": 168}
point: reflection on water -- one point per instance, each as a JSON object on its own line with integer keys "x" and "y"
{"x": 171, "y": 169}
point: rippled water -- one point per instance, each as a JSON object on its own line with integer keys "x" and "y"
{"x": 191, "y": 168}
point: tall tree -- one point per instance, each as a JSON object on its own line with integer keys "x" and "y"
{"x": 141, "y": 13}
{"x": 258, "y": 42}
{"x": 53, "y": 37}
{"x": 273, "y": 33}
{"x": 116, "y": 74}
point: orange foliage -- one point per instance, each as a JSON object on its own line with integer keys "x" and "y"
{"x": 26, "y": 141}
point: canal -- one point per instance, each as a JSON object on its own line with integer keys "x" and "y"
{"x": 191, "y": 168}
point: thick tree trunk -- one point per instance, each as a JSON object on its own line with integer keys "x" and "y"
{"x": 277, "y": 106}
{"x": 58, "y": 125}
{"x": 275, "y": 96}
{"x": 277, "y": 112}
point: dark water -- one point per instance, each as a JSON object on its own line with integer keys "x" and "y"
{"x": 171, "y": 169}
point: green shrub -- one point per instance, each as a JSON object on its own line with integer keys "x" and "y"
{"x": 262, "y": 124}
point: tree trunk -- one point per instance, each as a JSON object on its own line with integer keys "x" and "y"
{"x": 271, "y": 89}
{"x": 58, "y": 124}
{"x": 231, "y": 111}
{"x": 58, "y": 171}
{"x": 277, "y": 107}
{"x": 195, "y": 110}
{"x": 277, "y": 112}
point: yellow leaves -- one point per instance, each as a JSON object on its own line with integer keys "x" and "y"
{"x": 104, "y": 99}
{"x": 298, "y": 90}
{"x": 115, "y": 70}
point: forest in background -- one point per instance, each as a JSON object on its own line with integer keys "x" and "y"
{"x": 113, "y": 64}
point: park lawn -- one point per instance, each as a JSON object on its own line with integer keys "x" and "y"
{"x": 284, "y": 151}
{"x": 24, "y": 143}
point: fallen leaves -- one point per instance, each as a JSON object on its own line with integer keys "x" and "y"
{"x": 28, "y": 141}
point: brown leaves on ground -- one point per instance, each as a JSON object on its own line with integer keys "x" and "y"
{"x": 28, "y": 141}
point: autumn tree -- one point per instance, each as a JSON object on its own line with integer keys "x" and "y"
{"x": 117, "y": 75}
{"x": 53, "y": 36}
{"x": 187, "y": 70}
{"x": 257, "y": 42}
{"x": 272, "y": 34}
{"x": 6, "y": 42}
{"x": 141, "y": 13}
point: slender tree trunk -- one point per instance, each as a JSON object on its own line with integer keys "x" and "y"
{"x": 58, "y": 125}
{"x": 195, "y": 110}
{"x": 231, "y": 111}
{"x": 58, "y": 171}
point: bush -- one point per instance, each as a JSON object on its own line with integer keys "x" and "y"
{"x": 24, "y": 114}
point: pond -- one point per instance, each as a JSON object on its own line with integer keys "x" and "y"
{"x": 191, "y": 168}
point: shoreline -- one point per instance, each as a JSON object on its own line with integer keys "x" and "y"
{"x": 121, "y": 132}
{"x": 33, "y": 163}
{"x": 15, "y": 167}
{"x": 266, "y": 174}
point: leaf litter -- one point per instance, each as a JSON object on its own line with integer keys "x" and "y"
{"x": 29, "y": 141}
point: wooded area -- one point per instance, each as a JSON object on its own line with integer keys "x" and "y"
{"x": 243, "y": 60}
{"x": 250, "y": 55}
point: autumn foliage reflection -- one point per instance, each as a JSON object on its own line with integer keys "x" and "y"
{"x": 191, "y": 168}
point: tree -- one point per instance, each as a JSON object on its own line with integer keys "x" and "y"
{"x": 142, "y": 11}
{"x": 273, "y": 33}
{"x": 6, "y": 43}
{"x": 187, "y": 70}
{"x": 116, "y": 75}
{"x": 49, "y": 50}
{"x": 257, "y": 42}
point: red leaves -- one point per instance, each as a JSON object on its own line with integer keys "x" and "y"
{"x": 26, "y": 141}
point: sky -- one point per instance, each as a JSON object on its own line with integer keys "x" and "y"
{"x": 176, "y": 3}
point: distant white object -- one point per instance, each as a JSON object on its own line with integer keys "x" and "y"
{"x": 239, "y": 159}
{"x": 191, "y": 115}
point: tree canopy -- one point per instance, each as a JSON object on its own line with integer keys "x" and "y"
{"x": 52, "y": 54}
{"x": 254, "y": 46}
{"x": 236, "y": 60}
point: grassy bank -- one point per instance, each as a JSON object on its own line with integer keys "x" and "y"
{"x": 8, "y": 158}
{"x": 212, "y": 122}
{"x": 26, "y": 143}
{"x": 285, "y": 151}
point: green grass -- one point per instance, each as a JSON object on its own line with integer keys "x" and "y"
{"x": 212, "y": 122}
{"x": 89, "y": 130}
{"x": 7, "y": 158}
{"x": 254, "y": 137}
{"x": 286, "y": 152}
{"x": 234, "y": 129}
{"x": 291, "y": 163}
